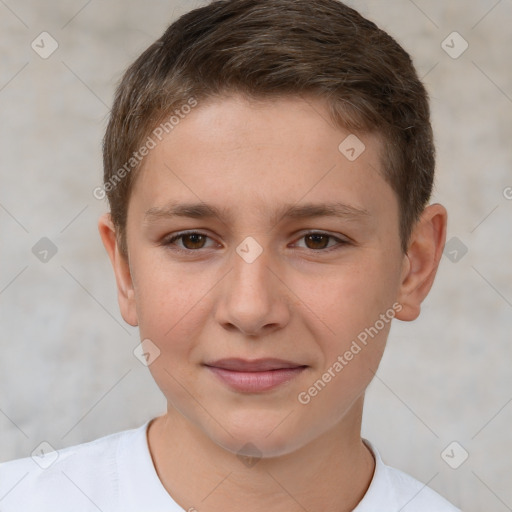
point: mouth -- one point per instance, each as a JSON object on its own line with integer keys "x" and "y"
{"x": 254, "y": 376}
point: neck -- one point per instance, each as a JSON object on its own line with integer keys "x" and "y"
{"x": 332, "y": 473}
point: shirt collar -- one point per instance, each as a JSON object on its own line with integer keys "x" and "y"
{"x": 140, "y": 487}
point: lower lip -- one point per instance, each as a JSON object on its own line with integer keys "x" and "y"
{"x": 254, "y": 382}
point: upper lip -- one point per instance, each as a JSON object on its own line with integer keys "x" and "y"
{"x": 255, "y": 365}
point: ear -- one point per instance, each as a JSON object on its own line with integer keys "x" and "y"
{"x": 422, "y": 260}
{"x": 125, "y": 291}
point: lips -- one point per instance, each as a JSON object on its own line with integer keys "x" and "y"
{"x": 257, "y": 365}
{"x": 254, "y": 376}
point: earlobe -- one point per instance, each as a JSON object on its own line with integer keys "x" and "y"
{"x": 422, "y": 260}
{"x": 120, "y": 264}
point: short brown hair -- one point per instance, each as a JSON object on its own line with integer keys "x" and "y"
{"x": 276, "y": 48}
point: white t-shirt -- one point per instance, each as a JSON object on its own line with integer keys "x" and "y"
{"x": 115, "y": 473}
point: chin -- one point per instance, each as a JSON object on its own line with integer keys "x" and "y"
{"x": 258, "y": 435}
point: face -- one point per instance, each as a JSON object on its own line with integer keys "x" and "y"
{"x": 268, "y": 270}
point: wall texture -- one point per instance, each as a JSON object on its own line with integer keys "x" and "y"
{"x": 67, "y": 370}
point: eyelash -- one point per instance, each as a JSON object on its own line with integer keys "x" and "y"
{"x": 170, "y": 241}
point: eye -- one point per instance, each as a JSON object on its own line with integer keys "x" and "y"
{"x": 319, "y": 241}
{"x": 191, "y": 241}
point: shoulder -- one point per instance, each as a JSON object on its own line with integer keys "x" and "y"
{"x": 400, "y": 491}
{"x": 415, "y": 495}
{"x": 51, "y": 480}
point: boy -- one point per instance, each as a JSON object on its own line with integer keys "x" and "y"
{"x": 268, "y": 165}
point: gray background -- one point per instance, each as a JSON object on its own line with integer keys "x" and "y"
{"x": 67, "y": 371}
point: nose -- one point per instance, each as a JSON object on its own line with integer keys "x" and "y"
{"x": 252, "y": 299}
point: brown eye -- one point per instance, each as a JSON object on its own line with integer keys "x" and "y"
{"x": 322, "y": 242}
{"x": 317, "y": 241}
{"x": 183, "y": 242}
{"x": 196, "y": 240}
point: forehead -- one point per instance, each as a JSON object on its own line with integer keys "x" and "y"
{"x": 262, "y": 156}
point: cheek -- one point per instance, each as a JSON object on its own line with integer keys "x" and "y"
{"x": 349, "y": 327}
{"x": 169, "y": 303}
{"x": 349, "y": 297}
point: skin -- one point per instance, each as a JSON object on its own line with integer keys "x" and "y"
{"x": 297, "y": 301}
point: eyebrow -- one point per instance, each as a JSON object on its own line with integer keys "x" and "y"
{"x": 291, "y": 211}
